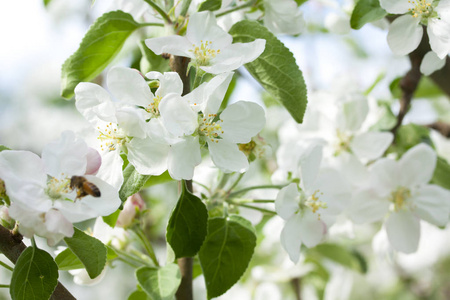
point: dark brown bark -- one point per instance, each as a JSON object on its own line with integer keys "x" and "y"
{"x": 11, "y": 246}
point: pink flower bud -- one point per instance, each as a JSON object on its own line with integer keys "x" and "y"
{"x": 133, "y": 204}
{"x": 94, "y": 161}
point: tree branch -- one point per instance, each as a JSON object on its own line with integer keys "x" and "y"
{"x": 11, "y": 246}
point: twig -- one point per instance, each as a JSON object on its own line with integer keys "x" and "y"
{"x": 442, "y": 127}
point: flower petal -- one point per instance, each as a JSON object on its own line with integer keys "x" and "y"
{"x": 432, "y": 204}
{"x": 227, "y": 156}
{"x": 241, "y": 121}
{"x": 148, "y": 156}
{"x": 170, "y": 82}
{"x": 395, "y": 6}
{"x": 184, "y": 157}
{"x": 65, "y": 156}
{"x": 367, "y": 206}
{"x": 290, "y": 237}
{"x": 371, "y": 145}
{"x": 404, "y": 35}
{"x": 385, "y": 175}
{"x": 57, "y": 223}
{"x": 94, "y": 103}
{"x": 177, "y": 115}
{"x": 215, "y": 91}
{"x": 174, "y": 44}
{"x": 132, "y": 121}
{"x": 417, "y": 165}
{"x": 312, "y": 230}
{"x": 128, "y": 86}
{"x": 438, "y": 32}
{"x": 287, "y": 201}
{"x": 111, "y": 169}
{"x": 355, "y": 112}
{"x": 309, "y": 164}
{"x": 203, "y": 27}
{"x": 431, "y": 63}
{"x": 22, "y": 167}
{"x": 403, "y": 231}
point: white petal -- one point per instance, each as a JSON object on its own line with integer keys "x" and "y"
{"x": 311, "y": 229}
{"x": 227, "y": 156}
{"x": 333, "y": 190}
{"x": 128, "y": 86}
{"x": 385, "y": 175}
{"x": 170, "y": 82}
{"x": 67, "y": 155}
{"x": 404, "y": 35}
{"x": 287, "y": 201}
{"x": 371, "y": 145}
{"x": 21, "y": 167}
{"x": 184, "y": 157}
{"x": 215, "y": 91}
{"x": 174, "y": 44}
{"x": 132, "y": 121}
{"x": 432, "y": 204}
{"x": 367, "y": 207}
{"x": 417, "y": 165}
{"x": 309, "y": 164}
{"x": 431, "y": 63}
{"x": 177, "y": 115}
{"x": 283, "y": 17}
{"x": 291, "y": 238}
{"x": 439, "y": 34}
{"x": 241, "y": 121}
{"x": 203, "y": 27}
{"x": 111, "y": 169}
{"x": 148, "y": 156}
{"x": 355, "y": 112}
{"x": 94, "y": 103}
{"x": 396, "y": 6}
{"x": 57, "y": 223}
{"x": 403, "y": 230}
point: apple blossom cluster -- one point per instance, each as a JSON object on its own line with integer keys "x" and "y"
{"x": 336, "y": 157}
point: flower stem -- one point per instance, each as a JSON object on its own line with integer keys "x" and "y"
{"x": 235, "y": 183}
{"x": 146, "y": 243}
{"x": 236, "y": 8}
{"x": 253, "y": 201}
{"x": 185, "y": 7}
{"x": 198, "y": 77}
{"x": 4, "y": 285}
{"x": 130, "y": 259}
{"x": 159, "y": 10}
{"x": 5, "y": 266}
{"x": 151, "y": 24}
{"x": 256, "y": 187}
{"x": 263, "y": 210}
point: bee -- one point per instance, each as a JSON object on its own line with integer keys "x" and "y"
{"x": 83, "y": 187}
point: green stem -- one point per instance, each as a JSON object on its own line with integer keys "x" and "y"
{"x": 235, "y": 183}
{"x": 263, "y": 210}
{"x": 151, "y": 24}
{"x": 256, "y": 187}
{"x": 159, "y": 10}
{"x": 4, "y": 285}
{"x": 202, "y": 185}
{"x": 185, "y": 7}
{"x": 148, "y": 247}
{"x": 248, "y": 4}
{"x": 130, "y": 259}
{"x": 5, "y": 266}
{"x": 253, "y": 201}
{"x": 198, "y": 77}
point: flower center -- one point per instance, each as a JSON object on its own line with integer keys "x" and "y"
{"x": 343, "y": 142}
{"x": 112, "y": 136}
{"x": 314, "y": 203}
{"x": 153, "y": 108}
{"x": 421, "y": 8}
{"x": 247, "y": 148}
{"x": 56, "y": 188}
{"x": 204, "y": 53}
{"x": 399, "y": 198}
{"x": 210, "y": 129}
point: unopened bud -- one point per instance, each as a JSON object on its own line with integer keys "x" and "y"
{"x": 94, "y": 161}
{"x": 134, "y": 204}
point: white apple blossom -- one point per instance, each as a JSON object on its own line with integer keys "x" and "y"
{"x": 208, "y": 45}
{"x": 401, "y": 192}
{"x": 405, "y": 32}
{"x": 42, "y": 199}
{"x": 309, "y": 212}
{"x": 194, "y": 119}
{"x": 283, "y": 16}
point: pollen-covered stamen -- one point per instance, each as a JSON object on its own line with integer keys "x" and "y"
{"x": 209, "y": 128}
{"x": 153, "y": 108}
{"x": 314, "y": 203}
{"x": 400, "y": 197}
{"x": 57, "y": 188}
{"x": 248, "y": 148}
{"x": 204, "y": 53}
{"x": 112, "y": 137}
{"x": 421, "y": 8}
{"x": 2, "y": 189}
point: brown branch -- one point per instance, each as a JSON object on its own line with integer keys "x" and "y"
{"x": 442, "y": 127}
{"x": 11, "y": 246}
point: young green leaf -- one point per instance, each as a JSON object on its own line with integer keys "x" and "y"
{"x": 111, "y": 220}
{"x": 226, "y": 253}
{"x": 67, "y": 260}
{"x": 133, "y": 182}
{"x": 441, "y": 174}
{"x": 138, "y": 295}
{"x": 275, "y": 69}
{"x": 159, "y": 283}
{"x": 211, "y": 5}
{"x": 187, "y": 226}
{"x": 341, "y": 255}
{"x": 99, "y": 46}
{"x": 35, "y": 276}
{"x": 89, "y": 250}
{"x": 366, "y": 11}
{"x": 152, "y": 62}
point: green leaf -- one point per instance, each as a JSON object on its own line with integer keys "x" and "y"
{"x": 154, "y": 180}
{"x": 341, "y": 255}
{"x": 152, "y": 62}
{"x": 275, "y": 69}
{"x": 67, "y": 260}
{"x": 226, "y": 253}
{"x": 138, "y": 295}
{"x": 426, "y": 89}
{"x": 111, "y": 220}
{"x": 441, "y": 174}
{"x": 2, "y": 148}
{"x": 98, "y": 48}
{"x": 366, "y": 11}
{"x": 133, "y": 182}
{"x": 300, "y": 2}
{"x": 187, "y": 226}
{"x": 46, "y": 2}
{"x": 35, "y": 275}
{"x": 211, "y": 5}
{"x": 159, "y": 284}
{"x": 410, "y": 135}
{"x": 89, "y": 250}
